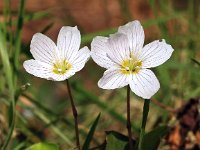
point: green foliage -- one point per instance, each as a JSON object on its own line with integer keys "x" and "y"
{"x": 144, "y": 120}
{"x": 9, "y": 77}
{"x": 47, "y": 106}
{"x": 152, "y": 139}
{"x": 43, "y": 146}
{"x": 20, "y": 22}
{"x": 90, "y": 134}
{"x": 116, "y": 141}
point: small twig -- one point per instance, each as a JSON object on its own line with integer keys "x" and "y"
{"x": 161, "y": 105}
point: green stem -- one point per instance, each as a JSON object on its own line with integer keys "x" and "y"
{"x": 9, "y": 77}
{"x": 75, "y": 114}
{"x": 128, "y": 125}
{"x": 144, "y": 120}
{"x": 8, "y": 69}
{"x": 18, "y": 33}
{"x": 12, "y": 125}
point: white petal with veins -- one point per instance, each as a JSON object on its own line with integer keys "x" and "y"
{"x": 135, "y": 34}
{"x": 38, "y": 68}
{"x": 155, "y": 53}
{"x": 68, "y": 42}
{"x": 112, "y": 79}
{"x": 43, "y": 48}
{"x": 81, "y": 58}
{"x": 99, "y": 52}
{"x": 144, "y": 83}
{"x": 118, "y": 48}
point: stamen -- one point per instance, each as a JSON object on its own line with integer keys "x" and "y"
{"x": 61, "y": 67}
{"x": 131, "y": 66}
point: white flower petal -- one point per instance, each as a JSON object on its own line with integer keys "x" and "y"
{"x": 144, "y": 83}
{"x": 43, "y": 48}
{"x": 43, "y": 70}
{"x": 68, "y": 42}
{"x": 99, "y": 51}
{"x": 135, "y": 34}
{"x": 118, "y": 48}
{"x": 112, "y": 79}
{"x": 155, "y": 54}
{"x": 81, "y": 58}
{"x": 38, "y": 68}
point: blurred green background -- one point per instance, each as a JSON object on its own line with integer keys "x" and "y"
{"x": 43, "y": 110}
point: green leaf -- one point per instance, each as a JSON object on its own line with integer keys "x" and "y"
{"x": 43, "y": 146}
{"x": 4, "y": 58}
{"x": 116, "y": 141}
{"x": 91, "y": 133}
{"x": 10, "y": 114}
{"x": 152, "y": 139}
{"x": 144, "y": 121}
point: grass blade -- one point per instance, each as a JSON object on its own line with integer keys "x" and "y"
{"x": 197, "y": 62}
{"x": 18, "y": 33}
{"x": 91, "y": 133}
{"x": 8, "y": 72}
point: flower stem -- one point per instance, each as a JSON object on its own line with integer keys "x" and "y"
{"x": 128, "y": 125}
{"x": 75, "y": 114}
{"x": 144, "y": 120}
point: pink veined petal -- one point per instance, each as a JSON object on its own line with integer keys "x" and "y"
{"x": 68, "y": 42}
{"x": 144, "y": 84}
{"x": 82, "y": 57}
{"x": 43, "y": 48}
{"x": 135, "y": 34}
{"x": 38, "y": 68}
{"x": 155, "y": 54}
{"x": 112, "y": 79}
{"x": 99, "y": 51}
{"x": 118, "y": 48}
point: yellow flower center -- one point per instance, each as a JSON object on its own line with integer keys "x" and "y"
{"x": 131, "y": 66}
{"x": 61, "y": 67}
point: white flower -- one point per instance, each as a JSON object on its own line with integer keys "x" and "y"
{"x": 127, "y": 61}
{"x": 57, "y": 62}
